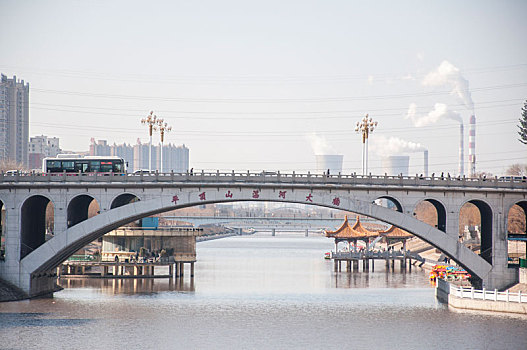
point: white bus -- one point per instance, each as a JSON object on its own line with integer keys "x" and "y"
{"x": 74, "y": 163}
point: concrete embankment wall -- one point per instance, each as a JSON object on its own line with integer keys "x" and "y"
{"x": 487, "y": 305}
{"x": 444, "y": 296}
{"x": 210, "y": 238}
{"x": 523, "y": 275}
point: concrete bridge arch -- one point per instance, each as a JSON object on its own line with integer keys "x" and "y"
{"x": 59, "y": 248}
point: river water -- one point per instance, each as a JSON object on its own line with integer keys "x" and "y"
{"x": 256, "y": 292}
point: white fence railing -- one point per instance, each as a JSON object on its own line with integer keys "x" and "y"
{"x": 483, "y": 294}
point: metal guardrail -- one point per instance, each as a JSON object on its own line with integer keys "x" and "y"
{"x": 264, "y": 177}
{"x": 483, "y": 294}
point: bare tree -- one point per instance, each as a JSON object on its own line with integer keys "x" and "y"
{"x": 9, "y": 164}
{"x": 517, "y": 169}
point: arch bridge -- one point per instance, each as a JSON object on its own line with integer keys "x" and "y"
{"x": 30, "y": 259}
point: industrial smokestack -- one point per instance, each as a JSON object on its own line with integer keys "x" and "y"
{"x": 461, "y": 151}
{"x": 472, "y": 146}
{"x": 425, "y": 161}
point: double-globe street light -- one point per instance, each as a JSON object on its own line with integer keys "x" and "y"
{"x": 151, "y": 122}
{"x": 365, "y": 127}
{"x": 163, "y": 128}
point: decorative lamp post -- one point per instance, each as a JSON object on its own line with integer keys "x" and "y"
{"x": 150, "y": 121}
{"x": 365, "y": 127}
{"x": 163, "y": 127}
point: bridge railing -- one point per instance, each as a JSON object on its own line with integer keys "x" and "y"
{"x": 368, "y": 254}
{"x": 266, "y": 177}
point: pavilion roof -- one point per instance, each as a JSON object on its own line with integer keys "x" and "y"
{"x": 396, "y": 232}
{"x": 357, "y": 231}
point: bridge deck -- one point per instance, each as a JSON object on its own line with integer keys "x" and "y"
{"x": 215, "y": 178}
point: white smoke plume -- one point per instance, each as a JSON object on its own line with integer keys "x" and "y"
{"x": 449, "y": 75}
{"x": 384, "y": 146}
{"x": 439, "y": 112}
{"x": 319, "y": 144}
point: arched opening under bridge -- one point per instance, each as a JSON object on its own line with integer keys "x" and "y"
{"x": 37, "y": 221}
{"x": 432, "y": 212}
{"x": 82, "y": 208}
{"x": 390, "y": 203}
{"x": 123, "y": 199}
{"x": 475, "y": 228}
{"x": 517, "y": 233}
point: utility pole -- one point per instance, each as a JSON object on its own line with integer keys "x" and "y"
{"x": 365, "y": 127}
{"x": 150, "y": 121}
{"x": 163, "y": 127}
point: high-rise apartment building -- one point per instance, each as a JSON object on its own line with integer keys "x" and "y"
{"x": 14, "y": 120}
{"x": 100, "y": 148}
{"x": 41, "y": 147}
{"x": 175, "y": 158}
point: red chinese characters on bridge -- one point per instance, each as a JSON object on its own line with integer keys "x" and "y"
{"x": 336, "y": 201}
{"x": 256, "y": 194}
{"x": 202, "y": 196}
{"x": 281, "y": 194}
{"x": 309, "y": 198}
{"x": 228, "y": 194}
{"x": 175, "y": 199}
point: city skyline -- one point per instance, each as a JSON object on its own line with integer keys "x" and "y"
{"x": 251, "y": 87}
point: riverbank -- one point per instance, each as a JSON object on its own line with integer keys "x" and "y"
{"x": 480, "y": 300}
{"x": 213, "y": 237}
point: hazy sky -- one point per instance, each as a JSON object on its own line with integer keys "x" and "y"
{"x": 252, "y": 85}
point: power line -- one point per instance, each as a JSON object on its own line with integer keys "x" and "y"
{"x": 246, "y": 114}
{"x": 275, "y": 100}
{"x": 244, "y": 79}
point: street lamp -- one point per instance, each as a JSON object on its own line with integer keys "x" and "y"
{"x": 163, "y": 127}
{"x": 150, "y": 121}
{"x": 365, "y": 127}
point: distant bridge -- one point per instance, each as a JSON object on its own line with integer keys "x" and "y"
{"x": 266, "y": 222}
{"x": 30, "y": 260}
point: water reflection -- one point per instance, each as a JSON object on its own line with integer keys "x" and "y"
{"x": 129, "y": 286}
{"x": 255, "y": 293}
{"x": 37, "y": 319}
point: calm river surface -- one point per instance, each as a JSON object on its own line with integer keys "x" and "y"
{"x": 255, "y": 292}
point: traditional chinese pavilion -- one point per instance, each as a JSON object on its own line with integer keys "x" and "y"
{"x": 395, "y": 234}
{"x": 351, "y": 234}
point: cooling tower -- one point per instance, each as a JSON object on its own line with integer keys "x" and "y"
{"x": 472, "y": 146}
{"x": 395, "y": 165}
{"x": 333, "y": 162}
